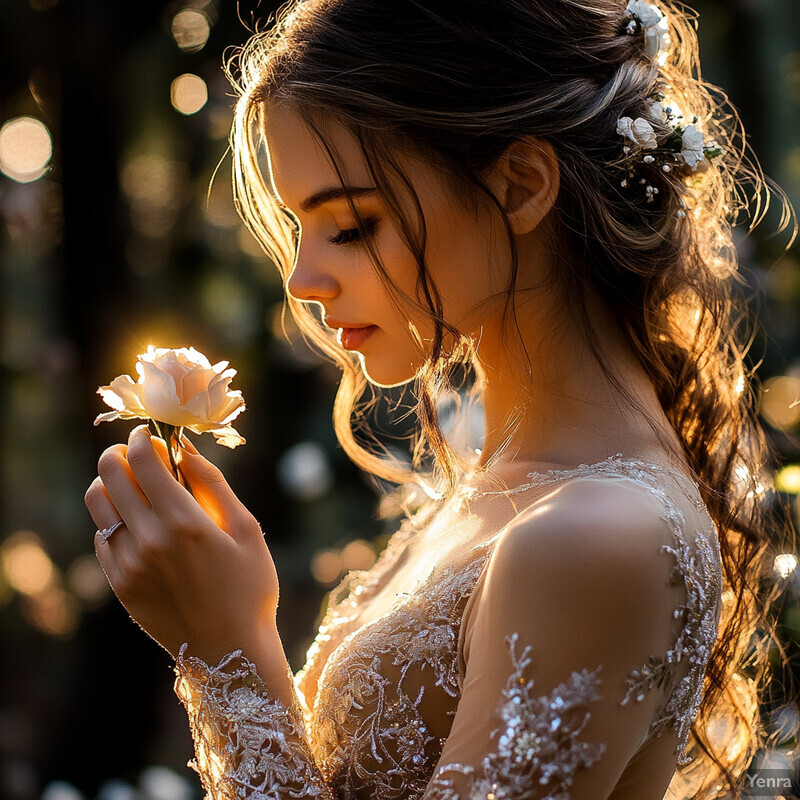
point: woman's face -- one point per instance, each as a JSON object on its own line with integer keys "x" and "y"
{"x": 334, "y": 269}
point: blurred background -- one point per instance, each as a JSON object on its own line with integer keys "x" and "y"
{"x": 113, "y": 121}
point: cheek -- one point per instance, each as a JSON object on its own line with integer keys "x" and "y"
{"x": 466, "y": 263}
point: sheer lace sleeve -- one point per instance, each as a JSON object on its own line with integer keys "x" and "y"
{"x": 247, "y": 745}
{"x": 564, "y": 639}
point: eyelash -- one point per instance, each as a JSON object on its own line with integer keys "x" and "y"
{"x": 352, "y": 235}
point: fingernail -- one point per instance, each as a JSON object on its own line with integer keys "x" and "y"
{"x": 189, "y": 446}
{"x": 138, "y": 428}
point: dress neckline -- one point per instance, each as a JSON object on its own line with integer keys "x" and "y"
{"x": 612, "y": 463}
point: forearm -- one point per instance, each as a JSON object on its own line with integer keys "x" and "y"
{"x": 248, "y": 730}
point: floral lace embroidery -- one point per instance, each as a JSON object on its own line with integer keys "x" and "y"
{"x": 246, "y": 745}
{"x": 538, "y": 747}
{"x": 367, "y": 728}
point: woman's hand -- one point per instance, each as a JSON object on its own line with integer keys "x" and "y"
{"x": 187, "y": 568}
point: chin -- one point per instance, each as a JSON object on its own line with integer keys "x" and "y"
{"x": 387, "y": 376}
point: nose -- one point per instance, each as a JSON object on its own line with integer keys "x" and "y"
{"x": 310, "y": 281}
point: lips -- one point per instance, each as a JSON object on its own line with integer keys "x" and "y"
{"x": 353, "y": 338}
{"x": 336, "y": 323}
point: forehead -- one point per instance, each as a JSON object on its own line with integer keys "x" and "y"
{"x": 299, "y": 162}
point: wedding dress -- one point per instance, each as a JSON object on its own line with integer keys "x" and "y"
{"x": 408, "y": 693}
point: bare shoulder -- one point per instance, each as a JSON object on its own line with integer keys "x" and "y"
{"x": 584, "y": 572}
{"x": 596, "y": 535}
{"x": 592, "y": 512}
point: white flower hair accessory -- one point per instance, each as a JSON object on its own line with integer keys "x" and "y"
{"x": 683, "y": 147}
{"x": 649, "y": 19}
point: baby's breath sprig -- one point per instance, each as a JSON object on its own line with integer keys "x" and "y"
{"x": 683, "y": 147}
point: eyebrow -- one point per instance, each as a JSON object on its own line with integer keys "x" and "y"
{"x": 334, "y": 193}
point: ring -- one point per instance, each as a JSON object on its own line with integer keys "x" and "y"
{"x": 104, "y": 534}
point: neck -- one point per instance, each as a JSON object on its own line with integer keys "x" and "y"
{"x": 562, "y": 410}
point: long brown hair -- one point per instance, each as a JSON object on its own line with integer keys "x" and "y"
{"x": 459, "y": 82}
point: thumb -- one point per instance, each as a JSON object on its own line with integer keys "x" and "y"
{"x": 213, "y": 493}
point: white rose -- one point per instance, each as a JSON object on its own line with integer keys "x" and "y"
{"x": 639, "y": 131}
{"x": 179, "y": 388}
{"x": 692, "y": 146}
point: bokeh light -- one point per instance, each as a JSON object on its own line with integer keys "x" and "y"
{"x": 87, "y": 580}
{"x": 358, "y": 554}
{"x": 780, "y": 401}
{"x": 326, "y": 566}
{"x": 61, "y": 790}
{"x": 27, "y": 567}
{"x": 190, "y": 29}
{"x": 25, "y": 149}
{"x": 53, "y": 611}
{"x": 788, "y": 479}
{"x": 156, "y": 188}
{"x": 188, "y": 93}
{"x": 785, "y": 564}
{"x": 304, "y": 471}
{"x": 162, "y": 783}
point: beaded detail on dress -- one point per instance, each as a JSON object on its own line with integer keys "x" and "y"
{"x": 378, "y": 698}
{"x": 539, "y": 746}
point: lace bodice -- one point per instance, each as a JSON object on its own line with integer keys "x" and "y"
{"x": 434, "y": 687}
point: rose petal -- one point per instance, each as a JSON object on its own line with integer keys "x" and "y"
{"x": 160, "y": 397}
{"x": 196, "y": 384}
{"x": 108, "y": 416}
{"x": 228, "y": 437}
{"x": 122, "y": 394}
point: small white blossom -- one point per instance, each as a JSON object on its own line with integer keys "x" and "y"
{"x": 639, "y": 131}
{"x": 654, "y": 24}
{"x": 657, "y": 112}
{"x": 692, "y": 146}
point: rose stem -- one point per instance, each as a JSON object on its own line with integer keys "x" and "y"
{"x": 178, "y": 437}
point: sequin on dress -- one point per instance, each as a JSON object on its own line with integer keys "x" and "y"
{"x": 377, "y": 698}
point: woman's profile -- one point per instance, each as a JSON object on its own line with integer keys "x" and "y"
{"x": 540, "y": 195}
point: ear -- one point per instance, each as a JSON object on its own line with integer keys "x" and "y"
{"x": 525, "y": 179}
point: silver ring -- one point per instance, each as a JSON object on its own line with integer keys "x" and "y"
{"x": 104, "y": 534}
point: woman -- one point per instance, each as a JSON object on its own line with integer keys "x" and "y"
{"x": 512, "y": 188}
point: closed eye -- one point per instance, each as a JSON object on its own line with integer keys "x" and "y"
{"x": 352, "y": 235}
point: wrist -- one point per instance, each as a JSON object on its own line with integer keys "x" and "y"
{"x": 269, "y": 658}
{"x": 263, "y": 648}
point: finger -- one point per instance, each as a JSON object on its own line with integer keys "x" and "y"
{"x": 161, "y": 448}
{"x": 213, "y": 493}
{"x": 152, "y": 473}
{"x": 122, "y": 487}
{"x": 99, "y": 504}
{"x": 119, "y": 548}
